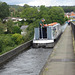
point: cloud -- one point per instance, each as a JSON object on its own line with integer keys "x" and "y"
{"x": 40, "y": 2}
{"x": 52, "y": 2}
{"x": 22, "y": 4}
{"x": 13, "y": 2}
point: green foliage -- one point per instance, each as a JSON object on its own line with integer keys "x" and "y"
{"x": 16, "y": 7}
{"x": 6, "y": 40}
{"x": 1, "y": 46}
{"x": 4, "y": 10}
{"x": 66, "y": 19}
{"x": 56, "y": 14}
{"x": 15, "y": 10}
{"x": 2, "y": 28}
{"x": 20, "y": 9}
{"x": 6, "y": 49}
{"x": 17, "y": 38}
{"x": 30, "y": 14}
{"x": 52, "y": 14}
{"x": 17, "y": 14}
{"x": 26, "y": 6}
{"x": 9, "y": 41}
{"x": 30, "y": 30}
{"x": 43, "y": 12}
{"x": 9, "y": 26}
{"x": 68, "y": 8}
{"x": 16, "y": 29}
{"x": 20, "y": 23}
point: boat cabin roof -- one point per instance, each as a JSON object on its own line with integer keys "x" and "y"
{"x": 51, "y": 24}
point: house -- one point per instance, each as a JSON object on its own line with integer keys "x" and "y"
{"x": 14, "y": 19}
{"x": 71, "y": 15}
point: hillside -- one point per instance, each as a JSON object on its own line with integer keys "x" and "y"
{"x": 15, "y": 6}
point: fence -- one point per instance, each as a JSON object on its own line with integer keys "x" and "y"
{"x": 73, "y": 29}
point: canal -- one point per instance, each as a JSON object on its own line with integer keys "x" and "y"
{"x": 29, "y": 62}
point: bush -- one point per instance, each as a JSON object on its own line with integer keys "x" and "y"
{"x": 19, "y": 23}
{"x": 16, "y": 29}
{"x": 56, "y": 14}
{"x": 2, "y": 28}
{"x": 66, "y": 19}
{"x": 8, "y": 41}
{"x": 5, "y": 40}
{"x": 1, "y": 44}
{"x": 17, "y": 38}
{"x": 9, "y": 26}
{"x": 30, "y": 30}
{"x": 8, "y": 48}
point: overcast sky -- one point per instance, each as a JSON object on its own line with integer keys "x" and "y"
{"x": 41, "y": 2}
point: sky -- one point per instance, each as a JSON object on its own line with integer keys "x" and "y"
{"x": 41, "y": 2}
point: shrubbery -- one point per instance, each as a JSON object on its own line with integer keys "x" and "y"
{"x": 16, "y": 29}
{"x": 30, "y": 30}
{"x": 20, "y": 23}
{"x": 1, "y": 44}
{"x": 2, "y": 28}
{"x": 17, "y": 38}
{"x": 8, "y": 42}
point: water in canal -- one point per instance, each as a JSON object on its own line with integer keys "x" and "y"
{"x": 28, "y": 63}
{"x": 64, "y": 27}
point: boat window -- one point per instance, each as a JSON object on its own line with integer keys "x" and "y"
{"x": 58, "y": 27}
{"x": 54, "y": 31}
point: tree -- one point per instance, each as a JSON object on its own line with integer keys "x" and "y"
{"x": 17, "y": 38}
{"x": 2, "y": 28}
{"x": 30, "y": 30}
{"x": 44, "y": 13}
{"x": 12, "y": 11}
{"x": 56, "y": 14}
{"x": 26, "y": 6}
{"x": 66, "y": 18}
{"x": 68, "y": 8}
{"x": 17, "y": 14}
{"x": 1, "y": 44}
{"x": 20, "y": 9}
{"x": 30, "y": 14}
{"x": 9, "y": 26}
{"x": 16, "y": 29}
{"x": 51, "y": 14}
{"x": 4, "y": 10}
